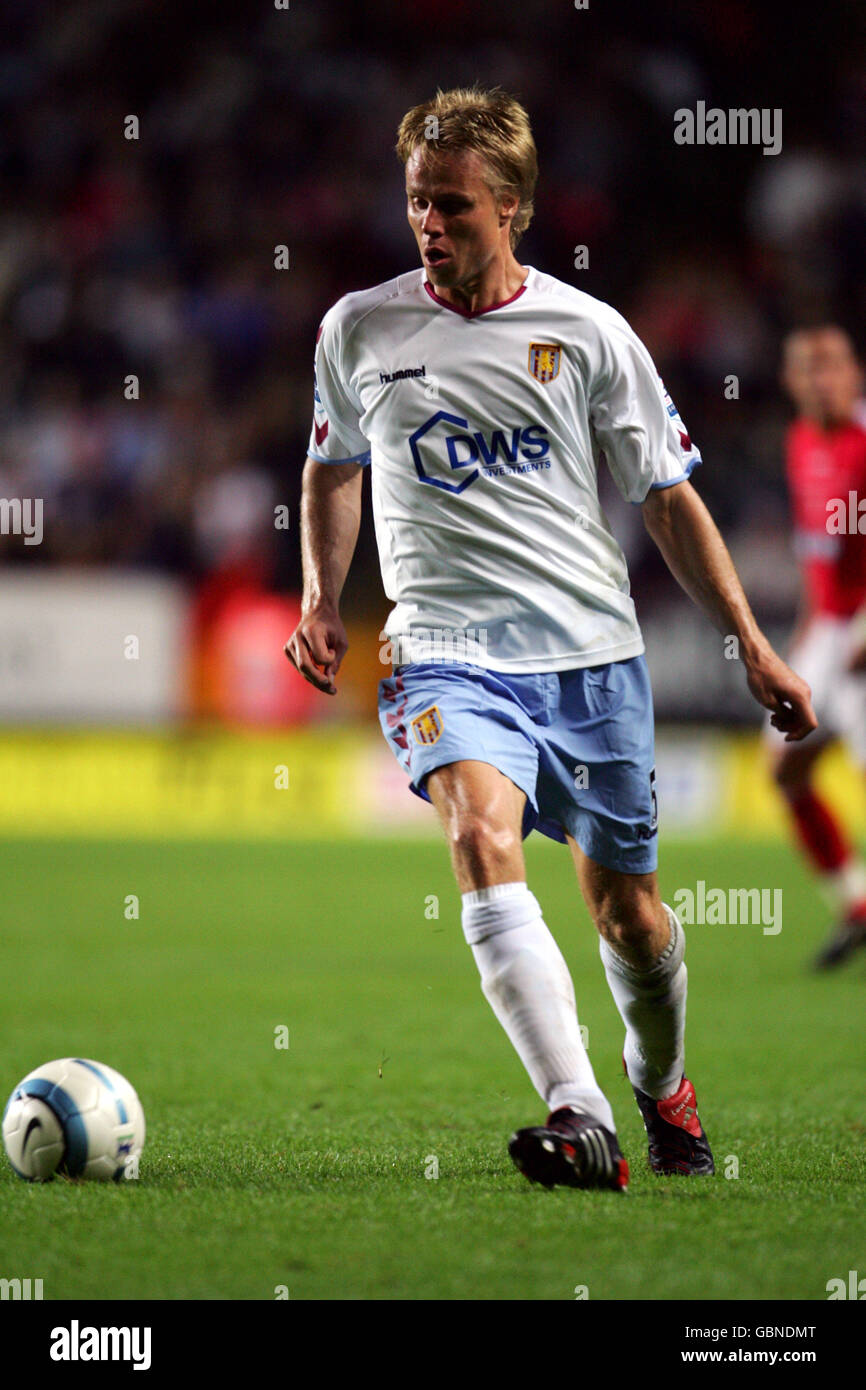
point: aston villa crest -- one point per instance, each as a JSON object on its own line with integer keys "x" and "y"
{"x": 544, "y": 359}
{"x": 428, "y": 726}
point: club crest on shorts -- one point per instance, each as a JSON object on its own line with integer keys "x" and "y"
{"x": 544, "y": 359}
{"x": 427, "y": 726}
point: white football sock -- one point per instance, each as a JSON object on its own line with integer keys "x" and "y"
{"x": 526, "y": 981}
{"x": 845, "y": 888}
{"x": 652, "y": 1005}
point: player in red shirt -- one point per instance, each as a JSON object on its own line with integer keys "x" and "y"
{"x": 826, "y": 468}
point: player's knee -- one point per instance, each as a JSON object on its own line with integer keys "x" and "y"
{"x": 483, "y": 842}
{"x": 636, "y": 927}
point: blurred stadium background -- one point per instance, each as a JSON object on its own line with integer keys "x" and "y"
{"x": 154, "y": 257}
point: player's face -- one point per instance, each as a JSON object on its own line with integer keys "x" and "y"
{"x": 822, "y": 376}
{"x": 455, "y": 218}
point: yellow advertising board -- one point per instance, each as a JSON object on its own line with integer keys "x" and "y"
{"x": 335, "y": 780}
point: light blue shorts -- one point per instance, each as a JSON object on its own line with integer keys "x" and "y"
{"x": 578, "y": 743}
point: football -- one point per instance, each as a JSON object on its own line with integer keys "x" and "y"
{"x": 76, "y": 1118}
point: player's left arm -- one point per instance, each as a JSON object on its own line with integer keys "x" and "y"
{"x": 698, "y": 558}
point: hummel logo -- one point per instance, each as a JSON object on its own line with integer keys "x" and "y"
{"x": 387, "y": 377}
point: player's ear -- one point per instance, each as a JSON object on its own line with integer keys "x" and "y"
{"x": 508, "y": 206}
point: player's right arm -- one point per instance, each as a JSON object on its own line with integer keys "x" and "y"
{"x": 330, "y": 505}
{"x": 330, "y": 519}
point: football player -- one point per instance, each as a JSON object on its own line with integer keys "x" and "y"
{"x": 826, "y": 471}
{"x": 485, "y": 394}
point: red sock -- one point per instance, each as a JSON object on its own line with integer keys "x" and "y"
{"x": 820, "y": 833}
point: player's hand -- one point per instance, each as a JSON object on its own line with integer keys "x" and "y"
{"x": 785, "y": 694}
{"x": 317, "y": 647}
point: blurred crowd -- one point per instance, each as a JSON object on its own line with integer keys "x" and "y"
{"x": 155, "y": 364}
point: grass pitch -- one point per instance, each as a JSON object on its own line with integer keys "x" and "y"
{"x": 312, "y": 1169}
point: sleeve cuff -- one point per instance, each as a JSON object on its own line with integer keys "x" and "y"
{"x": 680, "y": 478}
{"x": 356, "y": 458}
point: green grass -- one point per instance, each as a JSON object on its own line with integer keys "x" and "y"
{"x": 306, "y": 1168}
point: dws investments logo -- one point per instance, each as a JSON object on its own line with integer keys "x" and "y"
{"x": 512, "y": 449}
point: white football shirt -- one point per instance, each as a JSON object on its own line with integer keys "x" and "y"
{"x": 485, "y": 432}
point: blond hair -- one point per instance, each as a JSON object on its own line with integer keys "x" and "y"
{"x": 488, "y": 122}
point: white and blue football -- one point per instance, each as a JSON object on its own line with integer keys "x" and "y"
{"x": 76, "y": 1118}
